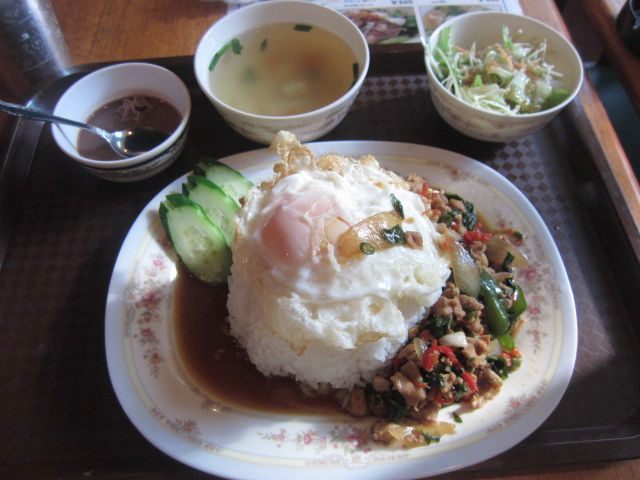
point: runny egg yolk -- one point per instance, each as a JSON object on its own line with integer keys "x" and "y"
{"x": 296, "y": 228}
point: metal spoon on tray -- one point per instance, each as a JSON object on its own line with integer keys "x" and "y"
{"x": 126, "y": 143}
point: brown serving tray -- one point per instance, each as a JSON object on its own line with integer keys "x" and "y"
{"x": 61, "y": 230}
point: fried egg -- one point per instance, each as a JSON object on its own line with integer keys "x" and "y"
{"x": 305, "y": 302}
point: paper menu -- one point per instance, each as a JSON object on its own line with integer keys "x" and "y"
{"x": 386, "y": 22}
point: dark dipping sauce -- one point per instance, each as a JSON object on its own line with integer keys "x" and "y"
{"x": 124, "y": 114}
{"x": 219, "y": 367}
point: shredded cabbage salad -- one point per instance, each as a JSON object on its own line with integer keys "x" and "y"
{"x": 508, "y": 77}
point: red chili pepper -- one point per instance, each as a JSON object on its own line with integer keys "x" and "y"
{"x": 471, "y": 383}
{"x": 476, "y": 235}
{"x": 507, "y": 356}
{"x": 448, "y": 352}
{"x": 430, "y": 358}
{"x": 428, "y": 337}
{"x": 440, "y": 399}
{"x": 512, "y": 357}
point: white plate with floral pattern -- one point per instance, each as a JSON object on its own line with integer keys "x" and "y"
{"x": 220, "y": 439}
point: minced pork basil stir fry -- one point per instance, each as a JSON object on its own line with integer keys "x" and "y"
{"x": 464, "y": 348}
{"x": 508, "y": 77}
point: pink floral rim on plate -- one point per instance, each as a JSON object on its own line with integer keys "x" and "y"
{"x": 220, "y": 439}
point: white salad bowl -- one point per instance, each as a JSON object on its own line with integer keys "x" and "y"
{"x": 262, "y": 128}
{"x": 485, "y": 28}
{"x": 111, "y": 83}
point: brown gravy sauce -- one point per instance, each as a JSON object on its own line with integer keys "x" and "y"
{"x": 123, "y": 114}
{"x": 218, "y": 366}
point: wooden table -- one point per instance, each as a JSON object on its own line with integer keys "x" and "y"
{"x": 131, "y": 29}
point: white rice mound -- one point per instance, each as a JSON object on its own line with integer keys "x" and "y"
{"x": 319, "y": 363}
{"x": 330, "y": 324}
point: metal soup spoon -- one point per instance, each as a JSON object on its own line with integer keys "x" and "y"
{"x": 126, "y": 143}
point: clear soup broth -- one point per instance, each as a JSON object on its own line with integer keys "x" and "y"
{"x": 283, "y": 69}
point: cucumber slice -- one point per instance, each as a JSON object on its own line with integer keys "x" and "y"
{"x": 199, "y": 243}
{"x": 219, "y": 207}
{"x": 232, "y": 182}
